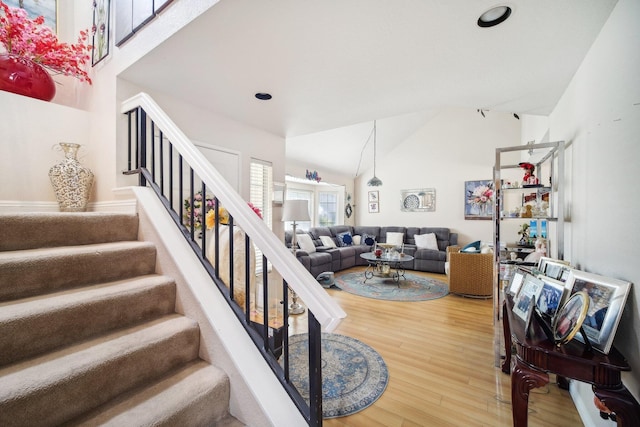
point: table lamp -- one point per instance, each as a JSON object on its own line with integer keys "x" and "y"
{"x": 295, "y": 211}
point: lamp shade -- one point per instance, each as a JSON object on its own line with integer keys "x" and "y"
{"x": 296, "y": 210}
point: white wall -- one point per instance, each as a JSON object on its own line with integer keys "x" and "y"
{"x": 455, "y": 146}
{"x": 599, "y": 116}
{"x": 30, "y": 131}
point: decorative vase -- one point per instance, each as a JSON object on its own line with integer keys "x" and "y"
{"x": 25, "y": 77}
{"x": 71, "y": 181}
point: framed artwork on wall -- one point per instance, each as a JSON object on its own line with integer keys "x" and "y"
{"x": 478, "y": 199}
{"x": 101, "y": 12}
{"x": 374, "y": 207}
{"x": 419, "y": 200}
{"x": 373, "y": 196}
{"x": 46, "y": 8}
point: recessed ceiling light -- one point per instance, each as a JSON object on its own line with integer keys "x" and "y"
{"x": 263, "y": 96}
{"x": 494, "y": 16}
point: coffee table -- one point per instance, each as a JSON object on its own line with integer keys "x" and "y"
{"x": 385, "y": 265}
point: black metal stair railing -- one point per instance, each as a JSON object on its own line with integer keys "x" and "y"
{"x": 187, "y": 199}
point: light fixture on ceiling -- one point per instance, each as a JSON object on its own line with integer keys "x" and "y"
{"x": 494, "y": 16}
{"x": 263, "y": 96}
{"x": 375, "y": 181}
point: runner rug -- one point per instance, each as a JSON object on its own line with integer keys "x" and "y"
{"x": 354, "y": 375}
{"x": 412, "y": 288}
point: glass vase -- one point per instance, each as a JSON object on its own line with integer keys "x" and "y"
{"x": 71, "y": 181}
{"x": 25, "y": 77}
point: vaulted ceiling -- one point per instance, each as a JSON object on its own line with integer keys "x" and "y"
{"x": 333, "y": 66}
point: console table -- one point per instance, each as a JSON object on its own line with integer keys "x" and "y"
{"x": 537, "y": 356}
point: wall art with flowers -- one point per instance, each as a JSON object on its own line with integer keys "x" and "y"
{"x": 478, "y": 199}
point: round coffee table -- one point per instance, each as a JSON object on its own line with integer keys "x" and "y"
{"x": 385, "y": 265}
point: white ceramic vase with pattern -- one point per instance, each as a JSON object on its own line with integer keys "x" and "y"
{"x": 71, "y": 181}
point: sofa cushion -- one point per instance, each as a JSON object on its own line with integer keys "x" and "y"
{"x": 328, "y": 241}
{"x": 442, "y": 234}
{"x": 368, "y": 239}
{"x": 368, "y": 230}
{"x": 357, "y": 239}
{"x": 345, "y": 238}
{"x": 426, "y": 241}
{"x": 395, "y": 238}
{"x": 306, "y": 243}
{"x": 473, "y": 247}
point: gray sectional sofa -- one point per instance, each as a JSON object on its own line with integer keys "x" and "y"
{"x": 327, "y": 258}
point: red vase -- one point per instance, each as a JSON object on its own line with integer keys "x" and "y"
{"x": 25, "y": 77}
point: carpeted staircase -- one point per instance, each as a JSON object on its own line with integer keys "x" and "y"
{"x": 88, "y": 330}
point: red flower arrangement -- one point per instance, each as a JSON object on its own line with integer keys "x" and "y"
{"x": 30, "y": 39}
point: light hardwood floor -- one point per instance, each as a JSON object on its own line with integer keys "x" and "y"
{"x": 440, "y": 358}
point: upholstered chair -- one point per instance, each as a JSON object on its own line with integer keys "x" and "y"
{"x": 470, "y": 274}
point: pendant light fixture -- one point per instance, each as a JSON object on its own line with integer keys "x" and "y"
{"x": 375, "y": 181}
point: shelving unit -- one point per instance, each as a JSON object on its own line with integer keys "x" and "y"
{"x": 549, "y": 157}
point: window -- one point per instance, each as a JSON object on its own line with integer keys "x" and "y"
{"x": 327, "y": 208}
{"x": 261, "y": 183}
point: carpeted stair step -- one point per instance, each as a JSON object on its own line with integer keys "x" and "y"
{"x": 190, "y": 396}
{"x": 41, "y": 230}
{"x": 60, "y": 386}
{"x": 36, "y": 271}
{"x": 31, "y": 326}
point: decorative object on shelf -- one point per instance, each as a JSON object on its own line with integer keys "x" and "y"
{"x": 25, "y": 77}
{"x": 313, "y": 176}
{"x": 606, "y": 297}
{"x": 295, "y": 211}
{"x": 524, "y": 233}
{"x": 100, "y": 31}
{"x": 529, "y": 179}
{"x": 479, "y": 199}
{"x": 71, "y": 181}
{"x": 419, "y": 200}
{"x": 374, "y": 181}
{"x": 569, "y": 319}
{"x": 31, "y": 40}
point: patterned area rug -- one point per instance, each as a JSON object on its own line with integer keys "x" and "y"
{"x": 353, "y": 374}
{"x": 412, "y": 288}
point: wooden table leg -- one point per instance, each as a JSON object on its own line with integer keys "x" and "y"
{"x": 523, "y": 379}
{"x": 622, "y": 403}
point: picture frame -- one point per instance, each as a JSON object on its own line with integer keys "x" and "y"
{"x": 278, "y": 193}
{"x": 373, "y": 196}
{"x": 47, "y": 8}
{"x": 479, "y": 199}
{"x": 418, "y": 200}
{"x": 551, "y": 297}
{"x": 374, "y": 207}
{"x": 606, "y": 301}
{"x": 555, "y": 268}
{"x": 516, "y": 282}
{"x": 569, "y": 319}
{"x": 530, "y": 289}
{"x": 100, "y": 29}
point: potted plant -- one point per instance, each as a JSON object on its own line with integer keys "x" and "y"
{"x": 33, "y": 51}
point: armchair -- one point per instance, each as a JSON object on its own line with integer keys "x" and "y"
{"x": 470, "y": 274}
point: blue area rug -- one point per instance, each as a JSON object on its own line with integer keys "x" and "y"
{"x": 353, "y": 374}
{"x": 413, "y": 288}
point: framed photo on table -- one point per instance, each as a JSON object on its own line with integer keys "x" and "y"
{"x": 570, "y": 317}
{"x": 516, "y": 282}
{"x": 551, "y": 297}
{"x": 554, "y": 268}
{"x": 606, "y": 299}
{"x": 529, "y": 292}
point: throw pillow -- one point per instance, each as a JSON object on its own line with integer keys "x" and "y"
{"x": 344, "y": 239}
{"x": 368, "y": 239}
{"x": 472, "y": 248}
{"x": 357, "y": 239}
{"x": 394, "y": 238}
{"x": 327, "y": 241}
{"x": 426, "y": 241}
{"x": 306, "y": 243}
